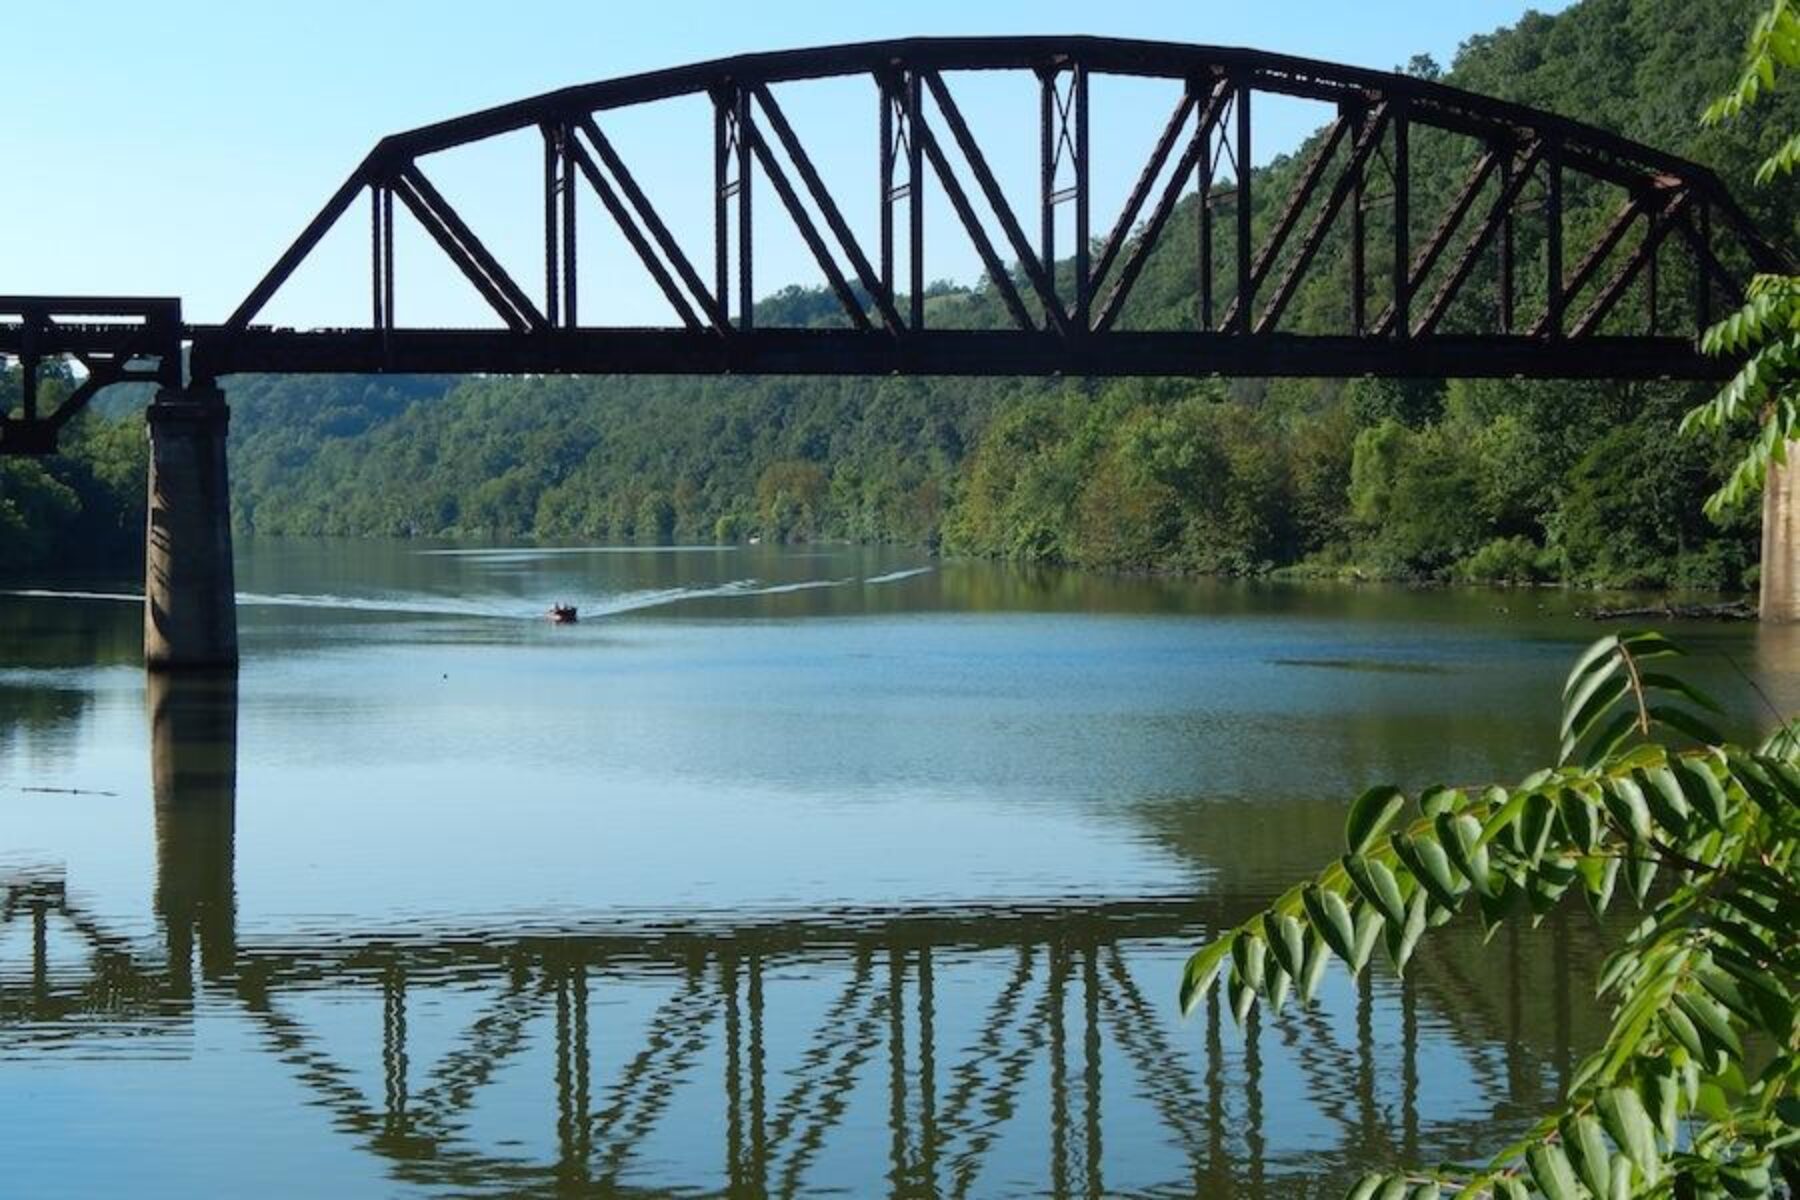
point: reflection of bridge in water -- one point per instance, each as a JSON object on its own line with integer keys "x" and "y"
{"x": 956, "y": 1052}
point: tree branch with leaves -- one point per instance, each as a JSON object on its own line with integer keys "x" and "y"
{"x": 1765, "y": 332}
{"x": 1702, "y": 836}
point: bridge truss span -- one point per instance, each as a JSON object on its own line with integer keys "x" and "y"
{"x": 1562, "y": 251}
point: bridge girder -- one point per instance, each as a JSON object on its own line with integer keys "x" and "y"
{"x": 1450, "y": 294}
{"x": 1067, "y": 321}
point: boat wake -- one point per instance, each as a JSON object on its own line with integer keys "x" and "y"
{"x": 498, "y": 609}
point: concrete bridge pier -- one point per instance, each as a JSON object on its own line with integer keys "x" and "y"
{"x": 1780, "y": 595}
{"x": 190, "y": 607}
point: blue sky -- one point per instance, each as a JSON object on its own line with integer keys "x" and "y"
{"x": 176, "y": 147}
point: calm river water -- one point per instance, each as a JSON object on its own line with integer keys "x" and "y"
{"x": 782, "y": 873}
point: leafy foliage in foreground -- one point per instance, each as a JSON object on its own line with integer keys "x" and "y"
{"x": 1694, "y": 1091}
{"x": 1765, "y": 332}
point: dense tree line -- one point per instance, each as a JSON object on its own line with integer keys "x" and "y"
{"x": 1476, "y": 480}
{"x": 85, "y": 505}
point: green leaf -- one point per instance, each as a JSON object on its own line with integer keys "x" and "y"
{"x": 1431, "y": 867}
{"x": 1276, "y": 983}
{"x": 1701, "y": 788}
{"x": 1551, "y": 1171}
{"x": 1618, "y": 964}
{"x": 1285, "y": 942}
{"x": 1460, "y": 836}
{"x": 1621, "y": 1180}
{"x": 1377, "y": 886}
{"x": 1370, "y": 814}
{"x": 1597, "y": 658}
{"x": 1312, "y": 971}
{"x": 1712, "y": 1021}
{"x": 1331, "y": 920}
{"x": 1759, "y": 785}
{"x": 1747, "y": 1179}
{"x": 1366, "y": 1187}
{"x": 1247, "y": 954}
{"x": 1577, "y": 815}
{"x": 1577, "y": 723}
{"x": 1785, "y": 774}
{"x": 1202, "y": 969}
{"x": 1585, "y": 1143}
{"x": 1598, "y": 876}
{"x": 1640, "y": 873}
{"x": 1497, "y": 908}
{"x": 1667, "y": 804}
{"x": 1368, "y": 928}
{"x": 1625, "y": 802}
{"x": 1546, "y": 887}
{"x": 1681, "y": 1028}
{"x": 1403, "y": 938}
{"x": 1242, "y": 997}
{"x": 1441, "y": 799}
{"x": 1662, "y": 1101}
{"x": 1622, "y": 1112}
{"x": 1727, "y": 991}
{"x": 1604, "y": 745}
{"x": 1663, "y": 682}
{"x": 1682, "y": 721}
{"x": 1538, "y": 821}
{"x": 1743, "y": 937}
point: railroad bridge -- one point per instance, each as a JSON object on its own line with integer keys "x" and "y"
{"x": 1509, "y": 278}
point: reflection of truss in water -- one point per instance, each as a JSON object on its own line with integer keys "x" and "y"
{"x": 1065, "y": 1004}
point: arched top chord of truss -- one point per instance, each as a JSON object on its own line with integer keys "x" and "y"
{"x": 1417, "y": 316}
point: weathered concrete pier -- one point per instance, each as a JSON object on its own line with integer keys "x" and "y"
{"x": 1780, "y": 587}
{"x": 190, "y": 607}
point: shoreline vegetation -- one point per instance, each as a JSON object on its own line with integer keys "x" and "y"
{"x": 1509, "y": 481}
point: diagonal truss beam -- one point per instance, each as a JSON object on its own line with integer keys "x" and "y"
{"x": 1434, "y": 247}
{"x": 1709, "y": 264}
{"x": 466, "y": 250}
{"x": 1198, "y": 145}
{"x": 1497, "y": 219}
{"x": 634, "y": 233}
{"x": 1140, "y": 191}
{"x": 924, "y": 140}
{"x": 1597, "y": 255}
{"x": 809, "y": 232}
{"x": 1666, "y": 222}
{"x": 653, "y": 222}
{"x": 834, "y": 217}
{"x": 302, "y": 246}
{"x": 1035, "y": 270}
{"x": 1374, "y": 126}
{"x": 1290, "y": 216}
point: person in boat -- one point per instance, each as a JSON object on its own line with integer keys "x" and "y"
{"x": 563, "y": 614}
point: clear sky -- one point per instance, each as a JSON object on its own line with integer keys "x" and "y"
{"x": 176, "y": 147}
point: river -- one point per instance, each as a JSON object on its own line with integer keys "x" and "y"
{"x": 783, "y": 872}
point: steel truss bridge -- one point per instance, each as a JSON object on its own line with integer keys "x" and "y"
{"x": 1435, "y": 294}
{"x": 933, "y": 1028}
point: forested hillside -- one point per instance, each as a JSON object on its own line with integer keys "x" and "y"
{"x": 1511, "y": 480}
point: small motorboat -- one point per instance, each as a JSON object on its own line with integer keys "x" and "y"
{"x": 562, "y": 614}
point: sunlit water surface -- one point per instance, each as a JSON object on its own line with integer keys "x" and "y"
{"x": 784, "y": 872}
